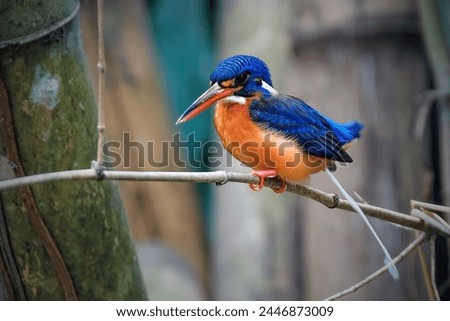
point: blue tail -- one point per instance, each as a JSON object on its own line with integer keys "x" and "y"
{"x": 346, "y": 132}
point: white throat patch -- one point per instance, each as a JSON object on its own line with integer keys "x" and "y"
{"x": 235, "y": 99}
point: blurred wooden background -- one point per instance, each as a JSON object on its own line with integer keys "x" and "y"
{"x": 350, "y": 59}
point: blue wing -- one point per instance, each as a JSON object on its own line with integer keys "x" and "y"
{"x": 314, "y": 133}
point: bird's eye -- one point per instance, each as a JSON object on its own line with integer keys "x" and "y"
{"x": 241, "y": 79}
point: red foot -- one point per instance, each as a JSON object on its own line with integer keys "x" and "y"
{"x": 263, "y": 174}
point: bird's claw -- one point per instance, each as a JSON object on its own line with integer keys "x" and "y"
{"x": 280, "y": 189}
{"x": 263, "y": 174}
{"x": 256, "y": 187}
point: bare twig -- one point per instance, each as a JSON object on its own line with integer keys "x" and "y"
{"x": 429, "y": 206}
{"x": 101, "y": 68}
{"x": 220, "y": 177}
{"x": 433, "y": 266}
{"x": 426, "y": 273}
{"x": 432, "y": 219}
{"x": 419, "y": 240}
{"x": 392, "y": 216}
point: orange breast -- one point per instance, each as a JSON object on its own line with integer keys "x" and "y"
{"x": 262, "y": 149}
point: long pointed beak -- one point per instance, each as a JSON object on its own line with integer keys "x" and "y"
{"x": 207, "y": 99}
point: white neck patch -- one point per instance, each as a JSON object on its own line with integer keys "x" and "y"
{"x": 269, "y": 88}
{"x": 235, "y": 99}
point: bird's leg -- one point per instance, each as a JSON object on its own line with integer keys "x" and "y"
{"x": 262, "y": 174}
{"x": 267, "y": 173}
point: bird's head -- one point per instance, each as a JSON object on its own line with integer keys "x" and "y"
{"x": 235, "y": 79}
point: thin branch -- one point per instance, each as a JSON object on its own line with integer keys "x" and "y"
{"x": 101, "y": 68}
{"x": 391, "y": 216}
{"x": 419, "y": 240}
{"x": 433, "y": 266}
{"x": 432, "y": 219}
{"x": 221, "y": 177}
{"x": 426, "y": 273}
{"x": 429, "y": 206}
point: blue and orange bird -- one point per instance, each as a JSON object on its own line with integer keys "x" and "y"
{"x": 276, "y": 135}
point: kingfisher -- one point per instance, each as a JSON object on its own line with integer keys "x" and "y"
{"x": 276, "y": 135}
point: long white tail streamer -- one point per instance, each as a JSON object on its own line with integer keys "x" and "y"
{"x": 388, "y": 259}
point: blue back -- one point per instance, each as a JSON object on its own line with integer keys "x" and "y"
{"x": 314, "y": 133}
